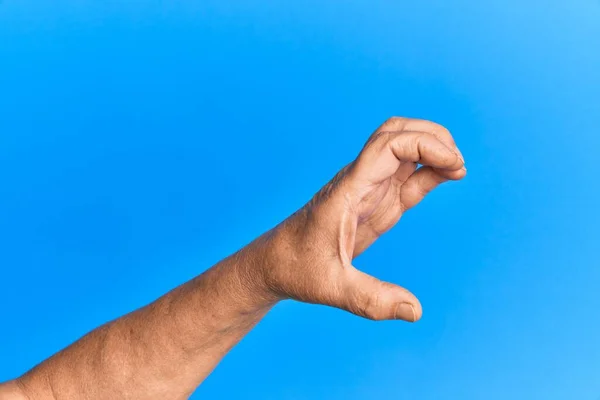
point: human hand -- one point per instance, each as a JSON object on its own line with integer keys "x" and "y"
{"x": 317, "y": 244}
{"x": 168, "y": 347}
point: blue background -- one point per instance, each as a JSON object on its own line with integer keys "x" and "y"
{"x": 141, "y": 142}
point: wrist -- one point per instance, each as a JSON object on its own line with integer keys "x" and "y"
{"x": 278, "y": 254}
{"x": 261, "y": 265}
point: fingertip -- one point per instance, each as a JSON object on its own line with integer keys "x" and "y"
{"x": 455, "y": 161}
{"x": 452, "y": 175}
{"x": 418, "y": 310}
{"x": 405, "y": 312}
{"x": 460, "y": 161}
{"x": 459, "y": 154}
{"x": 409, "y": 307}
{"x": 457, "y": 174}
{"x": 457, "y": 169}
{"x": 408, "y": 312}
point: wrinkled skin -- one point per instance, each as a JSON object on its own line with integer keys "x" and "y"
{"x": 363, "y": 201}
{"x": 167, "y": 348}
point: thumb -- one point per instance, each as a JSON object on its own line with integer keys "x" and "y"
{"x": 368, "y": 297}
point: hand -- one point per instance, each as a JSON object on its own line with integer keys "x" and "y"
{"x": 168, "y": 347}
{"x": 363, "y": 201}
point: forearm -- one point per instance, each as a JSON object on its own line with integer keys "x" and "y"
{"x": 166, "y": 349}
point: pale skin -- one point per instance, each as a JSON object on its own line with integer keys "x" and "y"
{"x": 167, "y": 348}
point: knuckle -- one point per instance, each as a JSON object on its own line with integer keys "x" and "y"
{"x": 369, "y": 306}
{"x": 433, "y": 127}
{"x": 416, "y": 143}
{"x": 394, "y": 119}
{"x": 395, "y": 122}
{"x": 411, "y": 195}
{"x": 439, "y": 127}
{"x": 444, "y": 130}
{"x": 379, "y": 139}
{"x": 420, "y": 189}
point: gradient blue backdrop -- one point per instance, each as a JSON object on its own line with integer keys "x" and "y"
{"x": 140, "y": 142}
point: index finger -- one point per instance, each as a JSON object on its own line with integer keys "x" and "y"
{"x": 421, "y": 125}
{"x": 382, "y": 157}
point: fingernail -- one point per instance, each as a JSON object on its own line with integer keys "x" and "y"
{"x": 458, "y": 153}
{"x": 406, "y": 312}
